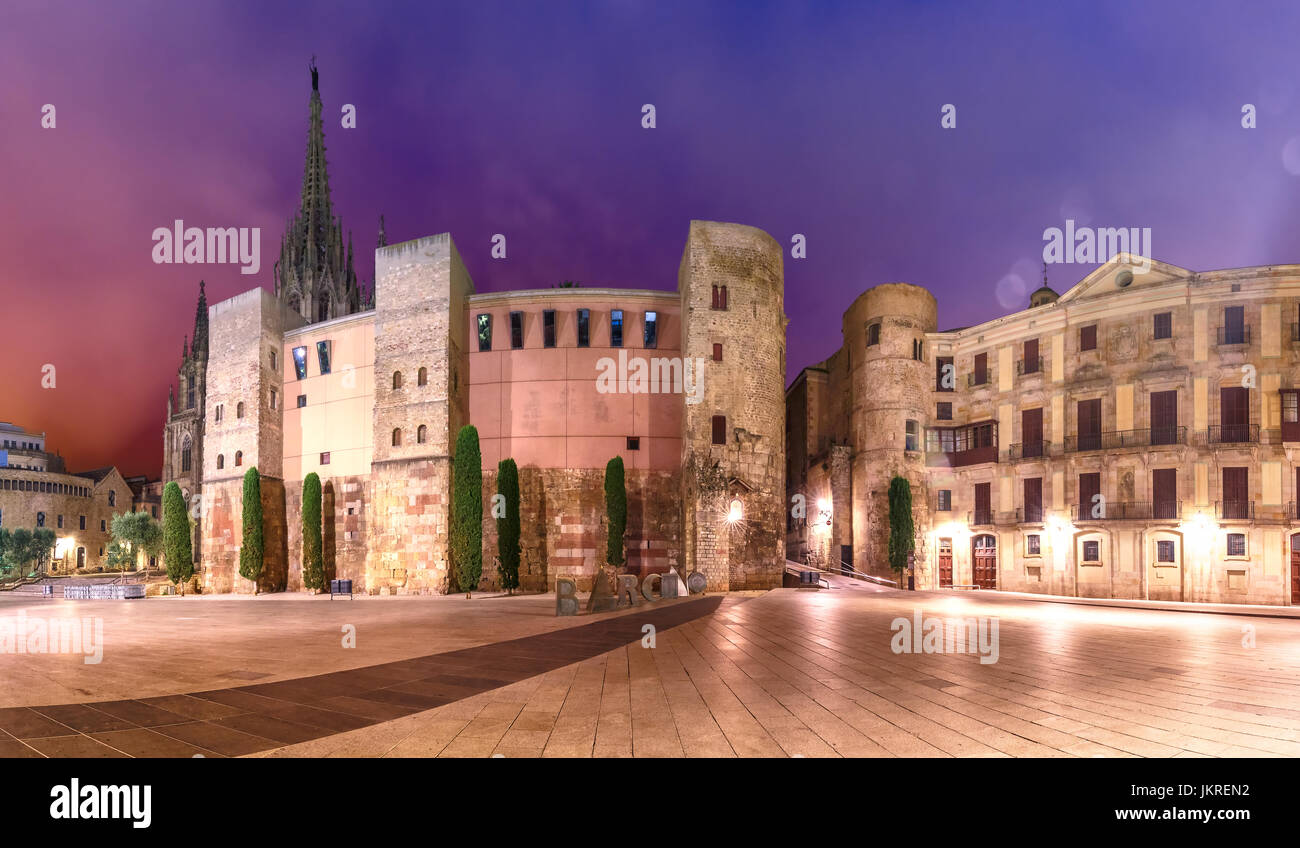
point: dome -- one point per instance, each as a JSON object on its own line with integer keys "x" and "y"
{"x": 1042, "y": 297}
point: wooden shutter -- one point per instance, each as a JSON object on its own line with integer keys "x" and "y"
{"x": 981, "y": 368}
{"x": 1033, "y": 499}
{"x": 1089, "y": 487}
{"x": 1236, "y": 494}
{"x": 1031, "y": 432}
{"x": 719, "y": 429}
{"x": 983, "y": 506}
{"x": 1031, "y": 356}
{"x": 1088, "y": 337}
{"x": 1164, "y": 418}
{"x": 1164, "y": 493}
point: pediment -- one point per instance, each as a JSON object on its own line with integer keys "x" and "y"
{"x": 1124, "y": 272}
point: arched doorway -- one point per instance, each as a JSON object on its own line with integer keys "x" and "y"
{"x": 984, "y": 561}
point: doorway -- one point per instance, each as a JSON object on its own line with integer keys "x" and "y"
{"x": 1295, "y": 570}
{"x": 984, "y": 561}
{"x": 945, "y": 563}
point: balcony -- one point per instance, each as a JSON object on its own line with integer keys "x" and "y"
{"x": 1129, "y": 511}
{"x": 978, "y": 378}
{"x": 1029, "y": 366}
{"x": 1228, "y": 336}
{"x": 1115, "y": 439}
{"x": 1231, "y": 434}
{"x": 980, "y": 518}
{"x": 1235, "y": 510}
{"x": 1028, "y": 450}
{"x": 957, "y": 446}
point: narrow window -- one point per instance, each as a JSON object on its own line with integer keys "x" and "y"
{"x": 911, "y": 436}
{"x": 584, "y": 328}
{"x": 83, "y": 522}
{"x": 323, "y": 356}
{"x": 300, "y": 362}
{"x": 422, "y": 376}
{"x": 302, "y": 401}
{"x": 421, "y": 434}
{"x": 945, "y": 500}
{"x": 1088, "y": 337}
{"x": 616, "y": 328}
{"x": 719, "y": 297}
{"x": 325, "y": 458}
{"x": 873, "y": 335}
{"x": 274, "y": 399}
{"x": 516, "y": 330}
{"x": 60, "y": 522}
{"x": 944, "y": 374}
{"x": 634, "y": 443}
{"x": 719, "y": 429}
{"x": 651, "y": 329}
{"x": 981, "y": 375}
{"x": 548, "y": 328}
{"x": 239, "y": 409}
{"x": 918, "y": 350}
{"x": 1234, "y": 325}
{"x": 484, "y": 332}
{"x": 1031, "y": 361}
{"x": 189, "y": 392}
{"x": 275, "y": 362}
{"x": 221, "y": 461}
{"x": 187, "y": 454}
{"x": 112, "y": 498}
{"x": 239, "y": 458}
{"x": 1163, "y": 325}
{"x": 397, "y": 437}
{"x": 397, "y": 380}
{"x": 717, "y": 351}
{"x": 40, "y": 520}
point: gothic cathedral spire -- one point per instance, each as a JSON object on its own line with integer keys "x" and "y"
{"x": 314, "y": 274}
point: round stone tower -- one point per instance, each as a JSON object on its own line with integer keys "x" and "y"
{"x": 891, "y": 379}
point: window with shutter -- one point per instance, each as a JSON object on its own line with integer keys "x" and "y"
{"x": 983, "y": 503}
{"x": 1088, "y": 337}
{"x": 1033, "y": 499}
{"x": 1234, "y": 414}
{"x": 1164, "y": 418}
{"x": 1031, "y": 432}
{"x": 981, "y": 368}
{"x": 1236, "y": 493}
{"x": 1031, "y": 357}
{"x": 1164, "y": 493}
{"x": 1089, "y": 424}
{"x": 1089, "y": 489}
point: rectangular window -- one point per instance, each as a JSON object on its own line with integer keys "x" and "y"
{"x": 1234, "y": 325}
{"x": 1236, "y": 492}
{"x": 918, "y": 350}
{"x": 1092, "y": 551}
{"x": 1033, "y": 545}
{"x": 1163, "y": 325}
{"x": 1033, "y": 487}
{"x": 302, "y": 401}
{"x": 1164, "y": 493}
{"x": 1090, "y": 503}
{"x": 981, "y": 374}
{"x": 83, "y": 522}
{"x": 217, "y": 414}
{"x": 634, "y": 443}
{"x": 1088, "y": 421}
{"x": 719, "y": 297}
{"x": 274, "y": 398}
{"x": 944, "y": 374}
{"x": 1088, "y": 337}
{"x": 1031, "y": 357}
{"x": 300, "y": 362}
{"x": 1164, "y": 417}
{"x": 912, "y": 436}
{"x": 1164, "y": 551}
{"x": 275, "y": 361}
{"x": 60, "y": 522}
{"x": 1031, "y": 432}
{"x": 484, "y": 332}
{"x": 1236, "y": 544}
{"x": 943, "y": 411}
{"x": 548, "y": 328}
{"x": 516, "y": 330}
{"x": 983, "y": 503}
{"x": 945, "y": 500}
{"x": 717, "y": 352}
{"x": 325, "y": 458}
{"x": 584, "y": 328}
{"x": 719, "y": 429}
{"x": 873, "y": 335}
{"x": 651, "y": 329}
{"x": 323, "y": 356}
{"x": 616, "y": 328}
{"x": 1290, "y": 415}
{"x": 1234, "y": 414}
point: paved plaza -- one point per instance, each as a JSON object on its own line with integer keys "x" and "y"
{"x": 775, "y": 674}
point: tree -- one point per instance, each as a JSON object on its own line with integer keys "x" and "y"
{"x": 615, "y": 511}
{"x": 134, "y": 534}
{"x": 508, "y": 526}
{"x": 5, "y": 540}
{"x": 250, "y": 552}
{"x": 42, "y": 548}
{"x": 467, "y": 509}
{"x": 24, "y": 547}
{"x": 20, "y": 548}
{"x": 313, "y": 560}
{"x": 176, "y": 536}
{"x": 902, "y": 534}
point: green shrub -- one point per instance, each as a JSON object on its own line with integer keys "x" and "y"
{"x": 467, "y": 510}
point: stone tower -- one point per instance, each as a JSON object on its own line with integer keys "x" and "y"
{"x": 421, "y": 401}
{"x": 890, "y": 386}
{"x": 731, "y": 283}
{"x": 183, "y": 430}
{"x": 314, "y": 275}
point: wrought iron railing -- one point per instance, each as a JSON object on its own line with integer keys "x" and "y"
{"x": 1235, "y": 510}
{"x": 1113, "y": 439}
{"x": 1029, "y": 366}
{"x": 1029, "y": 450}
{"x": 1225, "y": 336}
{"x": 1227, "y": 434}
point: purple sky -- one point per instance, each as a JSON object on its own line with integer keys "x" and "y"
{"x": 524, "y": 119}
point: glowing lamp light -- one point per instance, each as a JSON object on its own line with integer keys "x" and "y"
{"x": 63, "y": 547}
{"x": 824, "y": 511}
{"x": 736, "y": 512}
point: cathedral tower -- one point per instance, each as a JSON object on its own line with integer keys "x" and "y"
{"x": 183, "y": 432}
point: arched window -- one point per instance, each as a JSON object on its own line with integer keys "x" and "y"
{"x": 422, "y": 434}
{"x": 221, "y": 461}
{"x": 423, "y": 378}
{"x": 187, "y": 453}
{"x": 239, "y": 410}
{"x": 397, "y": 437}
{"x": 239, "y": 458}
{"x": 189, "y": 392}
{"x": 397, "y": 379}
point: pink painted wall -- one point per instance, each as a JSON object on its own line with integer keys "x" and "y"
{"x": 541, "y": 405}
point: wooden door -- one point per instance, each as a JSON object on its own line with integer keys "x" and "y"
{"x": 1033, "y": 499}
{"x": 983, "y": 503}
{"x": 1089, "y": 488}
{"x": 1089, "y": 423}
{"x": 984, "y": 562}
{"x": 945, "y": 563}
{"x": 1295, "y": 570}
{"x": 1236, "y": 493}
{"x": 1234, "y": 414}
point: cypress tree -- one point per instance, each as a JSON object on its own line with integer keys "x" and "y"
{"x": 615, "y": 511}
{"x": 467, "y": 509}
{"x": 313, "y": 560}
{"x": 508, "y": 527}
{"x": 902, "y": 535}
{"x": 176, "y": 536}
{"x": 250, "y": 552}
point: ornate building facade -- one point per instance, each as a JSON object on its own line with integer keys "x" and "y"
{"x": 1134, "y": 438}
